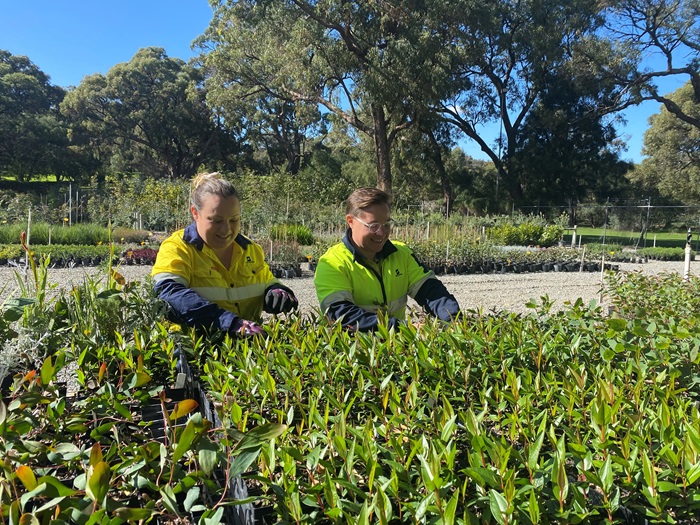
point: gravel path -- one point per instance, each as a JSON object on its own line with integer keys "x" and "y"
{"x": 489, "y": 292}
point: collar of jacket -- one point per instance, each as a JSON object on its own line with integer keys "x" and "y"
{"x": 387, "y": 249}
{"x": 191, "y": 236}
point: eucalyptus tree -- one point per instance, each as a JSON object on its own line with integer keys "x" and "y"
{"x": 32, "y": 135}
{"x": 672, "y": 147}
{"x": 568, "y": 154}
{"x": 356, "y": 60}
{"x": 503, "y": 57}
{"x": 149, "y": 115}
{"x": 658, "y": 39}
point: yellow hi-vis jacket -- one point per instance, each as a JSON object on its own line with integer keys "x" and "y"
{"x": 354, "y": 290}
{"x": 188, "y": 275}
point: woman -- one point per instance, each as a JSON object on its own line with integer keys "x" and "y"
{"x": 210, "y": 274}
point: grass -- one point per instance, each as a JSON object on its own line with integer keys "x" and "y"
{"x": 629, "y": 238}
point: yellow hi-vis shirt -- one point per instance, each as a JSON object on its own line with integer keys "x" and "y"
{"x": 186, "y": 259}
{"x": 344, "y": 275}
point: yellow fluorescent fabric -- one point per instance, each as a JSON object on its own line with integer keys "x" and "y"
{"x": 238, "y": 289}
{"x": 340, "y": 277}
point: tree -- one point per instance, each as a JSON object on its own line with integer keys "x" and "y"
{"x": 149, "y": 115}
{"x": 32, "y": 134}
{"x": 502, "y": 54}
{"x": 565, "y": 153}
{"x": 357, "y": 60}
{"x": 672, "y": 146}
{"x": 668, "y": 30}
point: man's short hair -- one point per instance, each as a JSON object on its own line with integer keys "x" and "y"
{"x": 363, "y": 198}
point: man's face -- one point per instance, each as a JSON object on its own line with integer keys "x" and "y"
{"x": 219, "y": 221}
{"x": 370, "y": 244}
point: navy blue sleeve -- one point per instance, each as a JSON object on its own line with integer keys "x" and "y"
{"x": 356, "y": 318}
{"x": 189, "y": 308}
{"x": 436, "y": 300}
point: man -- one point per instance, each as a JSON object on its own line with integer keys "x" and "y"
{"x": 367, "y": 273}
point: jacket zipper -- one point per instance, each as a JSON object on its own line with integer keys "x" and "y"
{"x": 378, "y": 275}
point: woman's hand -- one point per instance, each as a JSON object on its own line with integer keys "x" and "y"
{"x": 245, "y": 328}
{"x": 279, "y": 300}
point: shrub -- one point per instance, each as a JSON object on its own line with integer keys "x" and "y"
{"x": 292, "y": 232}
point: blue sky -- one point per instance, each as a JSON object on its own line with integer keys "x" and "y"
{"x": 71, "y": 39}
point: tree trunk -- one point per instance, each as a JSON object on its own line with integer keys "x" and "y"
{"x": 511, "y": 181}
{"x": 436, "y": 154}
{"x": 381, "y": 149}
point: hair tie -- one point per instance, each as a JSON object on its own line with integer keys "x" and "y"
{"x": 202, "y": 177}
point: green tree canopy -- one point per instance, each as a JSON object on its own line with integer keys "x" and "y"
{"x": 357, "y": 60}
{"x": 672, "y": 147}
{"x": 32, "y": 135}
{"x": 149, "y": 115}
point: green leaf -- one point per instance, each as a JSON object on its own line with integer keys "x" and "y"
{"x": 451, "y": 509}
{"x": 95, "y": 454}
{"x": 619, "y": 325}
{"x": 260, "y": 435}
{"x": 98, "y": 482}
{"x": 185, "y": 441}
{"x": 693, "y": 474}
{"x": 533, "y": 508}
{"x": 47, "y": 371}
{"x": 606, "y": 475}
{"x": 242, "y": 461}
{"x": 168, "y": 499}
{"x": 54, "y": 488}
{"x": 191, "y": 498}
{"x": 499, "y": 506}
{"x": 533, "y": 452}
{"x": 133, "y": 514}
{"x": 207, "y": 459}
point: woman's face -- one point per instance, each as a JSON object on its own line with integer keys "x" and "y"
{"x": 218, "y": 221}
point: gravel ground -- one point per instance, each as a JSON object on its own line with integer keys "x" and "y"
{"x": 488, "y": 292}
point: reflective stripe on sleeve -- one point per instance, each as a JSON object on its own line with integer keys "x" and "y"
{"x": 163, "y": 276}
{"x": 218, "y": 293}
{"x": 394, "y": 307}
{"x": 336, "y": 297}
{"x": 414, "y": 289}
{"x": 397, "y": 305}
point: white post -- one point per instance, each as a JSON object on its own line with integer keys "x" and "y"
{"x": 654, "y": 240}
{"x": 583, "y": 258}
{"x": 686, "y": 270}
{"x": 602, "y": 278}
{"x": 29, "y": 232}
{"x": 573, "y": 238}
{"x": 70, "y": 203}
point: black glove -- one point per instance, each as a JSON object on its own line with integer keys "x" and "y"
{"x": 245, "y": 328}
{"x": 279, "y": 300}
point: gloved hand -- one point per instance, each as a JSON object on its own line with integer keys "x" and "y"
{"x": 278, "y": 300}
{"x": 245, "y": 328}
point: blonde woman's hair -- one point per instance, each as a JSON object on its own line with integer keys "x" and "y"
{"x": 210, "y": 184}
{"x": 363, "y": 198}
